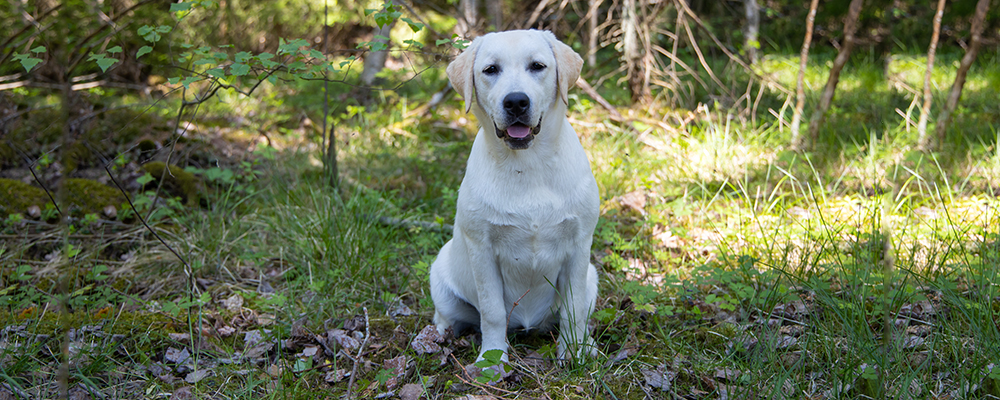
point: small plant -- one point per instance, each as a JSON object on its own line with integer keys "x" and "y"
{"x": 492, "y": 364}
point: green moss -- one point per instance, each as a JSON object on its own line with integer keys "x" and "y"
{"x": 176, "y": 181}
{"x": 85, "y": 196}
{"x": 17, "y": 196}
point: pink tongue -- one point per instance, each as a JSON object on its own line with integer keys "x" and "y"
{"x": 518, "y": 131}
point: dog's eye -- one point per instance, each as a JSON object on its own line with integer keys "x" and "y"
{"x": 490, "y": 70}
{"x": 536, "y": 66}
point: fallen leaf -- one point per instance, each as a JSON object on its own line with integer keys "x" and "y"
{"x": 401, "y": 310}
{"x": 635, "y": 200}
{"x": 265, "y": 319}
{"x": 343, "y": 339}
{"x": 728, "y": 375}
{"x": 785, "y": 342}
{"x": 398, "y": 367}
{"x": 427, "y": 341}
{"x": 336, "y": 375}
{"x": 411, "y": 391}
{"x": 183, "y": 393}
{"x": 226, "y": 331}
{"x": 197, "y": 375}
{"x": 275, "y": 370}
{"x": 309, "y": 351}
{"x": 233, "y": 303}
{"x": 253, "y": 337}
{"x": 180, "y": 337}
{"x": 659, "y": 378}
{"x": 175, "y": 356}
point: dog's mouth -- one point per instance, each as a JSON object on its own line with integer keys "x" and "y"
{"x": 518, "y": 135}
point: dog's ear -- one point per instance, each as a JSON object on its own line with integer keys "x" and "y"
{"x": 568, "y": 65}
{"x": 462, "y": 75}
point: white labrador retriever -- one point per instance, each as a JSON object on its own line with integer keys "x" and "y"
{"x": 528, "y": 205}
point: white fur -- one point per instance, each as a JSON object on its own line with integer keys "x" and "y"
{"x": 525, "y": 218}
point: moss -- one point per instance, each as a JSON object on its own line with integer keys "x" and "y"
{"x": 176, "y": 181}
{"x": 17, "y": 196}
{"x": 85, "y": 196}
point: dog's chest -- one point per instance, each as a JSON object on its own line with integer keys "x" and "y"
{"x": 535, "y": 242}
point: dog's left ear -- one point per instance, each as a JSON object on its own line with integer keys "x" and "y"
{"x": 462, "y": 76}
{"x": 568, "y": 65}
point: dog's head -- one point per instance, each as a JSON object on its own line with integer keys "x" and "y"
{"x": 514, "y": 78}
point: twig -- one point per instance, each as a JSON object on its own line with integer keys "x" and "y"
{"x": 138, "y": 215}
{"x": 357, "y": 360}
{"x": 513, "y": 306}
{"x": 589, "y": 90}
{"x": 31, "y": 168}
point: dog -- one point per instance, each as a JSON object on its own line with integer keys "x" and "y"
{"x": 528, "y": 204}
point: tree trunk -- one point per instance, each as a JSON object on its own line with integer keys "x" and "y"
{"x": 925, "y": 110}
{"x": 467, "y": 18}
{"x": 375, "y": 60}
{"x": 751, "y": 45}
{"x": 634, "y": 55}
{"x": 850, "y": 26}
{"x": 800, "y": 91}
{"x": 976, "y": 32}
{"x": 495, "y": 9}
{"x": 592, "y": 33}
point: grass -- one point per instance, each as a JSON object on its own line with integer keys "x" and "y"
{"x": 730, "y": 267}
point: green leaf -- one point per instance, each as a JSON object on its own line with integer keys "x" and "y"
{"x": 174, "y": 80}
{"x": 39, "y": 49}
{"x": 116, "y": 49}
{"x": 143, "y": 51}
{"x": 216, "y": 72}
{"x": 189, "y": 80}
{"x": 414, "y": 26}
{"x": 182, "y": 6}
{"x": 239, "y": 69}
{"x": 147, "y": 177}
{"x": 103, "y": 61}
{"x": 242, "y": 57}
{"x": 413, "y": 43}
{"x": 292, "y": 46}
{"x": 164, "y": 29}
{"x": 27, "y": 62}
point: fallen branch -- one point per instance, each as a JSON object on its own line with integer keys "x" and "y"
{"x": 357, "y": 360}
{"x": 589, "y": 90}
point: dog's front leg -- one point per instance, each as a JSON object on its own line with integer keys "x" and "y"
{"x": 578, "y": 291}
{"x": 489, "y": 287}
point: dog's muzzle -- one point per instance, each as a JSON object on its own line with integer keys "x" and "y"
{"x": 518, "y": 135}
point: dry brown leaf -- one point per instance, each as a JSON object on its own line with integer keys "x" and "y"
{"x": 336, "y": 375}
{"x": 427, "y": 341}
{"x": 233, "y": 303}
{"x": 635, "y": 200}
{"x": 343, "y": 339}
{"x": 411, "y": 391}
{"x": 197, "y": 375}
{"x": 175, "y": 356}
{"x": 659, "y": 378}
{"x": 398, "y": 367}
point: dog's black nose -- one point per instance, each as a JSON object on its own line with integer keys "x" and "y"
{"x": 516, "y": 103}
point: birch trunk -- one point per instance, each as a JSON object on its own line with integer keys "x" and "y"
{"x": 850, "y": 26}
{"x": 800, "y": 91}
{"x": 955, "y": 94}
{"x": 925, "y": 110}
